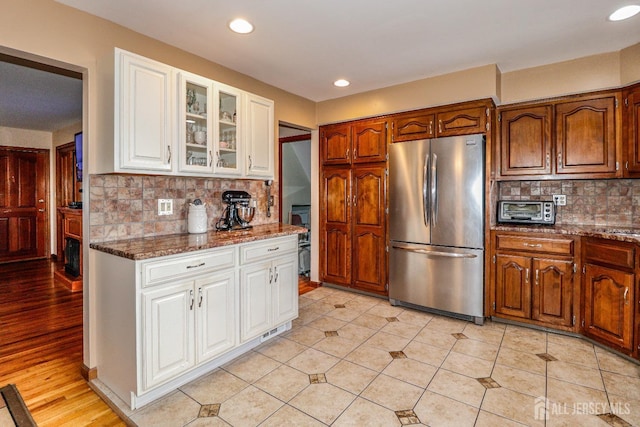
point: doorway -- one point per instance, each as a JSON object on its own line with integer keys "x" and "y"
{"x": 295, "y": 188}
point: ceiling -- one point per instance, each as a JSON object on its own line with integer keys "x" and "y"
{"x": 303, "y": 46}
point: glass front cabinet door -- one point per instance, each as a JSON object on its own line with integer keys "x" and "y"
{"x": 229, "y": 144}
{"x": 195, "y": 124}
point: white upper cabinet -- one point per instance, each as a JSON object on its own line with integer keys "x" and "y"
{"x": 229, "y": 142}
{"x": 143, "y": 114}
{"x": 195, "y": 127}
{"x": 259, "y": 138}
{"x": 169, "y": 121}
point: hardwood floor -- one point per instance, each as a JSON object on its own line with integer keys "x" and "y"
{"x": 41, "y": 347}
{"x": 305, "y": 285}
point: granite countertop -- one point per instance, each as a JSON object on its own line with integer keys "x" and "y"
{"x": 623, "y": 234}
{"x": 172, "y": 244}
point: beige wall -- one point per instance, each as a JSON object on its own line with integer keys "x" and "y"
{"x": 467, "y": 85}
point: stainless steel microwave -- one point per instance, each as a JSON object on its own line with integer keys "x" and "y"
{"x": 526, "y": 212}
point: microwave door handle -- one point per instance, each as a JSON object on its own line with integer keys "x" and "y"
{"x": 425, "y": 187}
{"x": 434, "y": 189}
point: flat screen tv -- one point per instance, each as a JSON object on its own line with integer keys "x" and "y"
{"x": 78, "y": 141}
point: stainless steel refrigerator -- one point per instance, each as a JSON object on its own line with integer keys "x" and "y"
{"x": 436, "y": 224}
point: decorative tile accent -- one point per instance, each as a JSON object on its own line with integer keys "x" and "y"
{"x": 339, "y": 306}
{"x": 488, "y": 382}
{"x": 398, "y": 354}
{"x": 614, "y": 420}
{"x": 317, "y": 378}
{"x": 460, "y": 336}
{"x": 392, "y": 319}
{"x": 546, "y": 357}
{"x": 330, "y": 333}
{"x": 407, "y": 417}
{"x": 210, "y": 410}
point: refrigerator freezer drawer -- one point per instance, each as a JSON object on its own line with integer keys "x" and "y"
{"x": 437, "y": 277}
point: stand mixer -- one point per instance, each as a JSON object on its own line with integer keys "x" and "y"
{"x": 238, "y": 214}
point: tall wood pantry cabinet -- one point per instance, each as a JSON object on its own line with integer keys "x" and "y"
{"x": 353, "y": 201}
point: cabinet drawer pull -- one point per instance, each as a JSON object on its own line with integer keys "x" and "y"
{"x": 537, "y": 276}
{"x": 276, "y": 275}
{"x": 430, "y": 127}
{"x": 273, "y": 249}
{"x": 439, "y": 125}
{"x": 626, "y": 292}
{"x": 526, "y": 275}
{"x": 199, "y": 297}
{"x": 532, "y": 245}
{"x": 196, "y": 266}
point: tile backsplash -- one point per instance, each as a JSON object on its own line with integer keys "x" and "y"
{"x": 125, "y": 206}
{"x": 610, "y": 202}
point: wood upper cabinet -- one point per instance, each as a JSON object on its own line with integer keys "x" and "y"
{"x": 525, "y": 141}
{"x": 462, "y": 122}
{"x": 362, "y": 141}
{"x": 586, "y": 136}
{"x": 412, "y": 126}
{"x": 369, "y": 141}
{"x": 632, "y": 130}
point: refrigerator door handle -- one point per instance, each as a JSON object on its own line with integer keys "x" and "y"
{"x": 435, "y": 253}
{"x": 434, "y": 190}
{"x": 425, "y": 187}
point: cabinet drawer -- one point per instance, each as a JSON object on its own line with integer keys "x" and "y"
{"x": 268, "y": 248}
{"x": 159, "y": 271}
{"x": 535, "y": 244}
{"x": 609, "y": 252}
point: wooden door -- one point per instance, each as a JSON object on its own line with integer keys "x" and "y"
{"x": 513, "y": 286}
{"x": 553, "y": 292}
{"x": 525, "y": 141}
{"x": 586, "y": 137}
{"x": 462, "y": 122}
{"x": 369, "y": 141}
{"x": 369, "y": 237}
{"x": 335, "y": 218}
{"x": 409, "y": 127}
{"x": 608, "y": 307}
{"x": 24, "y": 217}
{"x": 335, "y": 144}
{"x": 632, "y": 122}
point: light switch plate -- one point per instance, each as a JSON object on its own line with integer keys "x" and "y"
{"x": 165, "y": 206}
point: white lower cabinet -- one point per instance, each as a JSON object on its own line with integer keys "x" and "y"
{"x": 187, "y": 324}
{"x": 268, "y": 294}
{"x": 165, "y": 321}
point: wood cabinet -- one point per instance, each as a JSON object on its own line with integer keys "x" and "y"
{"x": 577, "y": 137}
{"x": 586, "y": 136}
{"x": 363, "y": 141}
{"x": 459, "y": 119}
{"x": 174, "y": 318}
{"x": 632, "y": 130}
{"x": 534, "y": 279}
{"x": 609, "y": 292}
{"x": 69, "y": 226}
{"x": 525, "y": 135}
{"x": 353, "y": 224}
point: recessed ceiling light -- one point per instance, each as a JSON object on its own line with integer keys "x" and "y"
{"x": 624, "y": 12}
{"x": 241, "y": 26}
{"x": 341, "y": 83}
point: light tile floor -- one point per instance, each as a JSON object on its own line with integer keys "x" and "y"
{"x": 354, "y": 360}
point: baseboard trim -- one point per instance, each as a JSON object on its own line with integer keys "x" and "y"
{"x": 88, "y": 374}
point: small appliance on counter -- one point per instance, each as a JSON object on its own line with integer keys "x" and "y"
{"x": 526, "y": 212}
{"x": 197, "y": 217}
{"x": 238, "y": 214}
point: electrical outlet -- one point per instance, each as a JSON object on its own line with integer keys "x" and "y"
{"x": 559, "y": 199}
{"x": 165, "y": 206}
